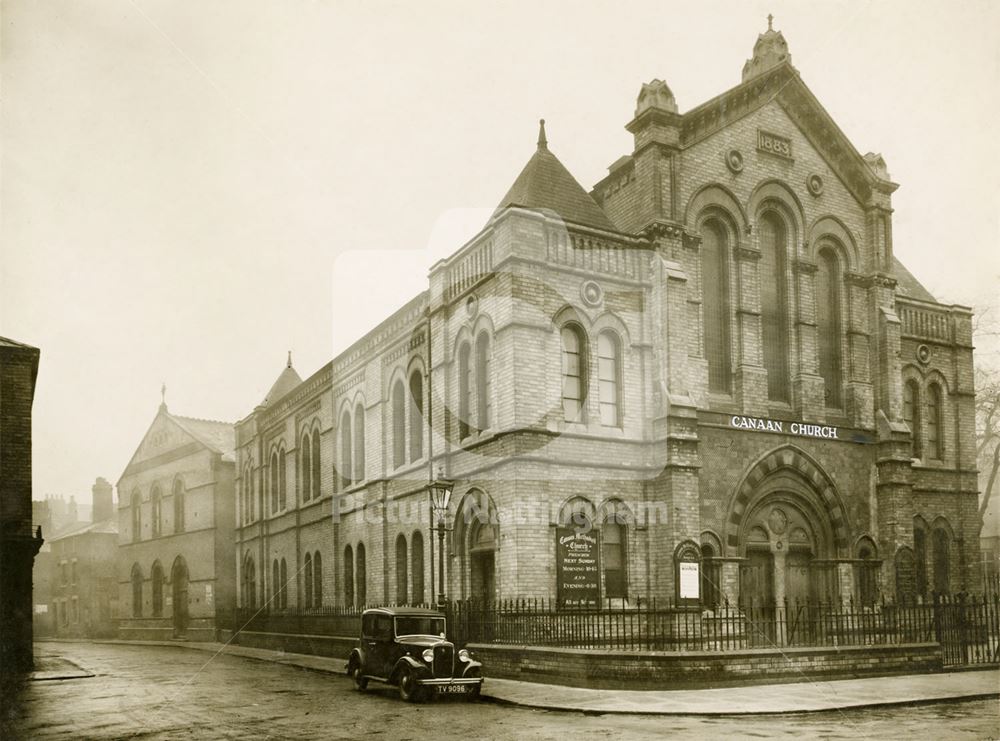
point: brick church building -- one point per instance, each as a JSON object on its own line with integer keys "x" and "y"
{"x": 708, "y": 378}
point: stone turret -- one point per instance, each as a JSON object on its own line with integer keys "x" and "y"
{"x": 770, "y": 50}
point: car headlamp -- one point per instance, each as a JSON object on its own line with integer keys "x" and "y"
{"x": 464, "y": 655}
{"x": 428, "y": 655}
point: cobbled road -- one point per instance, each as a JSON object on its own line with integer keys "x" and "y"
{"x": 170, "y": 693}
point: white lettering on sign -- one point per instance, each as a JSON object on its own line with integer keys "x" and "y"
{"x": 795, "y": 428}
{"x": 774, "y": 144}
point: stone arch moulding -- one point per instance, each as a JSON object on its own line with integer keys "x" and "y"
{"x": 610, "y": 320}
{"x": 569, "y": 313}
{"x": 775, "y": 191}
{"x": 787, "y": 457}
{"x": 720, "y": 197}
{"x": 834, "y": 229}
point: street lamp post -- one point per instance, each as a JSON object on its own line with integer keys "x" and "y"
{"x": 440, "y": 490}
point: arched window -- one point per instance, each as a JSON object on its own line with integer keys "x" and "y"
{"x": 416, "y": 415}
{"x": 136, "y": 590}
{"x": 920, "y": 558}
{"x": 307, "y": 579}
{"x": 401, "y": 564}
{"x": 614, "y": 551}
{"x": 359, "y": 442}
{"x": 305, "y": 466}
{"x": 867, "y": 574}
{"x": 317, "y": 580}
{"x": 156, "y": 516}
{"x": 246, "y": 487}
{"x": 275, "y": 584}
{"x": 274, "y": 483}
{"x": 417, "y": 568}
{"x": 609, "y": 378}
{"x": 282, "y": 479}
{"x": 574, "y": 373}
{"x": 828, "y": 281}
{"x": 157, "y": 578}
{"x": 709, "y": 577}
{"x": 398, "y": 425}
{"x": 464, "y": 390}
{"x": 316, "y": 472}
{"x": 283, "y": 588}
{"x": 935, "y": 446}
{"x": 911, "y": 415}
{"x": 715, "y": 305}
{"x": 774, "y": 304}
{"x": 361, "y": 576}
{"x": 942, "y": 561}
{"x": 577, "y": 513}
{"x": 136, "y": 516}
{"x": 179, "y": 512}
{"x": 483, "y": 406}
{"x": 249, "y": 582}
{"x": 348, "y": 576}
{"x": 346, "y": 450}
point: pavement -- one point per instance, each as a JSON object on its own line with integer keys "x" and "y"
{"x": 798, "y": 697}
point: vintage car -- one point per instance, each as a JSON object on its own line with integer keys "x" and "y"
{"x": 406, "y": 647}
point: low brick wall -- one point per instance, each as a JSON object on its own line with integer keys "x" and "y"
{"x": 332, "y": 646}
{"x": 686, "y": 669}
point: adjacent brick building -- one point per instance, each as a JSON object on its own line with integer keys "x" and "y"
{"x": 83, "y": 585}
{"x": 175, "y": 531}
{"x": 18, "y": 544}
{"x": 713, "y": 363}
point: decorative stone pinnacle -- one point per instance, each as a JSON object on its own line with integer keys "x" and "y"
{"x": 289, "y": 358}
{"x": 543, "y": 143}
{"x": 770, "y": 19}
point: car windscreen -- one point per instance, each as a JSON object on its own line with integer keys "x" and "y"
{"x": 412, "y": 625}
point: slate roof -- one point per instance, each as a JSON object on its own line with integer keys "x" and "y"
{"x": 7, "y": 342}
{"x": 907, "y": 285}
{"x": 285, "y": 382}
{"x": 218, "y": 436}
{"x": 546, "y": 184}
{"x": 104, "y": 527}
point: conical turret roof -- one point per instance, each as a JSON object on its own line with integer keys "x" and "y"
{"x": 286, "y": 381}
{"x": 545, "y": 184}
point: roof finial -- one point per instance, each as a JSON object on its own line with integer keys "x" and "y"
{"x": 770, "y": 19}
{"x": 163, "y": 396}
{"x": 542, "y": 141}
{"x": 289, "y": 358}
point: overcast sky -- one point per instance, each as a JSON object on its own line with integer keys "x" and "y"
{"x": 191, "y": 189}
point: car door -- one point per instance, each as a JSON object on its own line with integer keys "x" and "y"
{"x": 369, "y": 646}
{"x": 382, "y": 653}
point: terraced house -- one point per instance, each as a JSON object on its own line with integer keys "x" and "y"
{"x": 709, "y": 377}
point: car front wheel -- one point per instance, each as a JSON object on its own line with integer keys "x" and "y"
{"x": 409, "y": 690}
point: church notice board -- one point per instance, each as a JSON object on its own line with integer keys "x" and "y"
{"x": 578, "y": 576}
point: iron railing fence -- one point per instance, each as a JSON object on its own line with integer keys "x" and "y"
{"x": 967, "y": 627}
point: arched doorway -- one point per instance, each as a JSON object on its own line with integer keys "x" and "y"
{"x": 788, "y": 524}
{"x": 482, "y": 560}
{"x": 780, "y": 542}
{"x": 179, "y": 588}
{"x": 475, "y": 540}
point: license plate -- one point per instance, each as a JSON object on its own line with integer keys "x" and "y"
{"x": 448, "y": 689}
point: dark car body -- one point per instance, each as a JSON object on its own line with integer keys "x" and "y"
{"x": 407, "y": 647}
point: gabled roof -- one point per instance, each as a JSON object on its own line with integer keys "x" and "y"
{"x": 907, "y": 285}
{"x": 546, "y": 185}
{"x": 104, "y": 527}
{"x": 217, "y": 436}
{"x": 7, "y": 342}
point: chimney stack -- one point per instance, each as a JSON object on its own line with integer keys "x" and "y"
{"x": 103, "y": 504}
